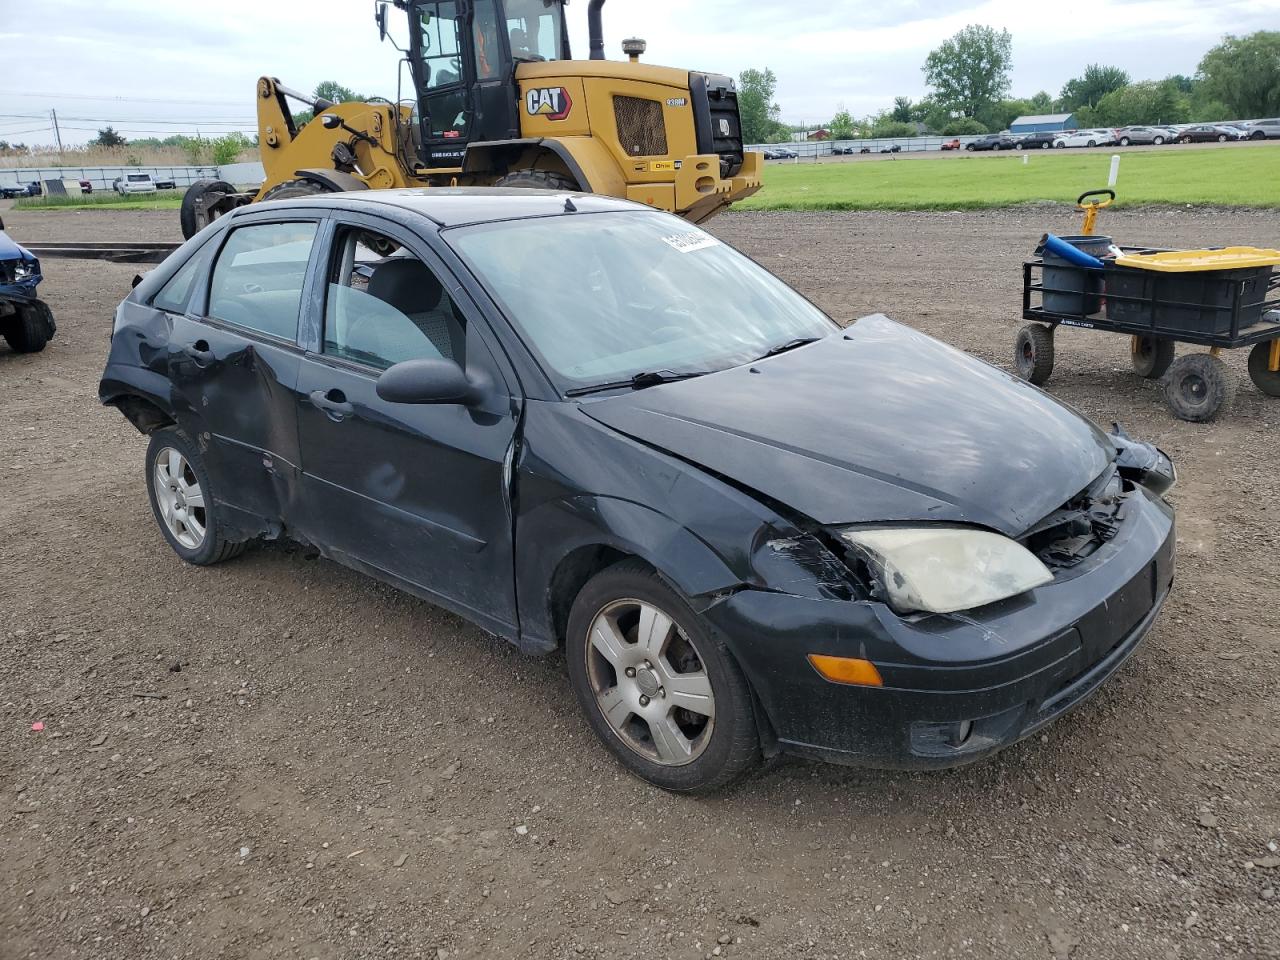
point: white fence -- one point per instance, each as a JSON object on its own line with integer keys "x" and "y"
{"x": 103, "y": 177}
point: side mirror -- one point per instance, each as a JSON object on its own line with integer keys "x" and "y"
{"x": 329, "y": 121}
{"x": 428, "y": 381}
{"x": 380, "y": 15}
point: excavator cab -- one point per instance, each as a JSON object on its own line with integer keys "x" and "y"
{"x": 463, "y": 56}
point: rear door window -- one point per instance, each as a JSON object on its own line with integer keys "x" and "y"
{"x": 258, "y": 279}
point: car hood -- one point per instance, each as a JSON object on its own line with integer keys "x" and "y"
{"x": 10, "y": 250}
{"x": 875, "y": 423}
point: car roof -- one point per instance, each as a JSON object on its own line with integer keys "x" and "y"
{"x": 454, "y": 206}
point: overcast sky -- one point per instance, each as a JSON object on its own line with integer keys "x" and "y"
{"x": 152, "y": 68}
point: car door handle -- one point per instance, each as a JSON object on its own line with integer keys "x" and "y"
{"x": 333, "y": 402}
{"x": 199, "y": 352}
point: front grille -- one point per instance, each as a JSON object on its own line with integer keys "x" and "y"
{"x": 716, "y": 119}
{"x": 640, "y": 128}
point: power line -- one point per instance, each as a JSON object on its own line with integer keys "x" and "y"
{"x": 81, "y": 96}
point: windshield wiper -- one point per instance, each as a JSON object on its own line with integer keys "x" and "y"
{"x": 789, "y": 345}
{"x": 647, "y": 378}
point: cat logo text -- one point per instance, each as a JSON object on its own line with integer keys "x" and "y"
{"x": 553, "y": 103}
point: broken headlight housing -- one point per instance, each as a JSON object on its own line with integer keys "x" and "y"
{"x": 25, "y": 268}
{"x": 941, "y": 569}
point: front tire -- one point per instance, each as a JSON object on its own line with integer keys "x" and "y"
{"x": 1222, "y": 138}
{"x": 1033, "y": 353}
{"x": 182, "y": 500}
{"x": 662, "y": 693}
{"x": 1124, "y": 141}
{"x": 538, "y": 180}
{"x": 29, "y": 329}
{"x": 1198, "y": 388}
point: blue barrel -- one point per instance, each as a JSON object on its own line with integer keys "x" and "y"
{"x": 1069, "y": 288}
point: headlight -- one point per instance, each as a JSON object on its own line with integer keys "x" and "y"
{"x": 944, "y": 569}
{"x": 23, "y": 268}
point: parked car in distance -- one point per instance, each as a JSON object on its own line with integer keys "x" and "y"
{"x": 1263, "y": 129}
{"x": 892, "y": 148}
{"x": 1084, "y": 138}
{"x": 1208, "y": 133}
{"x": 1126, "y": 136}
{"x": 86, "y": 186}
{"x": 953, "y": 144}
{"x": 11, "y": 190}
{"x": 992, "y": 141}
{"x": 843, "y": 151}
{"x": 166, "y": 185}
{"x": 1042, "y": 140}
{"x": 780, "y": 153}
{"x": 134, "y": 183}
{"x": 655, "y": 470}
{"x": 26, "y": 323}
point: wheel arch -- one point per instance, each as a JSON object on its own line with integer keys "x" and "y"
{"x": 334, "y": 180}
{"x": 137, "y": 394}
{"x": 565, "y": 543}
{"x": 582, "y": 158}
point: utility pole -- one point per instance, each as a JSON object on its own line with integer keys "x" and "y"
{"x": 57, "y": 134}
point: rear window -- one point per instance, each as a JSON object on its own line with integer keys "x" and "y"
{"x": 139, "y": 178}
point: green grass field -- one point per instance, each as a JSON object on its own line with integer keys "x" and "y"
{"x": 1238, "y": 176}
{"x": 103, "y": 200}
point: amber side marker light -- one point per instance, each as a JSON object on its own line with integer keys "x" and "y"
{"x": 847, "y": 670}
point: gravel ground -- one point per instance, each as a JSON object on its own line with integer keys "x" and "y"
{"x": 279, "y": 758}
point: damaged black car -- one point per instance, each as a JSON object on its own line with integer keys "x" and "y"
{"x": 584, "y": 424}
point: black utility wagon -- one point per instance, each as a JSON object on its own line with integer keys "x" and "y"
{"x": 582, "y": 423}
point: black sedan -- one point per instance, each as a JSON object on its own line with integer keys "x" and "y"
{"x": 992, "y": 141}
{"x": 1208, "y": 133}
{"x": 585, "y": 424}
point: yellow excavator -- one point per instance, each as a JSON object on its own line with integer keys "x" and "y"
{"x": 499, "y": 101}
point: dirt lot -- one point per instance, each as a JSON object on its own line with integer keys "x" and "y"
{"x": 279, "y": 758}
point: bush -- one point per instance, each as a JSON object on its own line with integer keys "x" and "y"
{"x": 964, "y": 127}
{"x": 893, "y": 128}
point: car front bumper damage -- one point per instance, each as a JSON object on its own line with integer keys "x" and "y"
{"x": 955, "y": 687}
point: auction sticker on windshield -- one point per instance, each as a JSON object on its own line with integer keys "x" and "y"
{"x": 688, "y": 242}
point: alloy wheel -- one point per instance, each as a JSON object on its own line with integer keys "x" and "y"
{"x": 181, "y": 501}
{"x": 650, "y": 683}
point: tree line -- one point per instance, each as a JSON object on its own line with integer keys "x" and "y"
{"x": 969, "y": 81}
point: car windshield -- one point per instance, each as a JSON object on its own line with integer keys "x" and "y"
{"x": 603, "y": 297}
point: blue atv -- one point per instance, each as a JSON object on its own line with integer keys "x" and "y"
{"x": 25, "y": 320}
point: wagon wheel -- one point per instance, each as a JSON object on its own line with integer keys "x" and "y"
{"x": 1151, "y": 357}
{"x": 1199, "y": 386}
{"x": 1033, "y": 353}
{"x": 1264, "y": 378}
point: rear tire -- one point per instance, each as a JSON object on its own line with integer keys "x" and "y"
{"x": 187, "y": 217}
{"x": 27, "y": 331}
{"x": 1199, "y": 386}
{"x": 1268, "y": 381}
{"x": 1152, "y": 358}
{"x": 176, "y": 480}
{"x": 1033, "y": 353}
{"x": 687, "y": 750}
{"x": 538, "y": 180}
{"x": 1158, "y": 141}
{"x": 1046, "y": 145}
